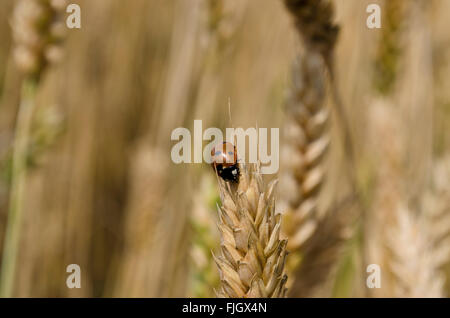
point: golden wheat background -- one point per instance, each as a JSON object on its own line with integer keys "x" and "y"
{"x": 102, "y": 192}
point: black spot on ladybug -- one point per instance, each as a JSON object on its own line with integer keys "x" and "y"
{"x": 224, "y": 162}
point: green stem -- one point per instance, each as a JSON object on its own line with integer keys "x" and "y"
{"x": 18, "y": 182}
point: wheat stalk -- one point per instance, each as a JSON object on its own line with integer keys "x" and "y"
{"x": 252, "y": 257}
{"x": 36, "y": 29}
{"x": 204, "y": 277}
{"x": 389, "y": 48}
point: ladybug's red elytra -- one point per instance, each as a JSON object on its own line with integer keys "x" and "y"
{"x": 225, "y": 162}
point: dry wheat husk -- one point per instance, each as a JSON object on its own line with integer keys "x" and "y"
{"x": 252, "y": 257}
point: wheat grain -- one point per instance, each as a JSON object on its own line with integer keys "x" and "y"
{"x": 252, "y": 257}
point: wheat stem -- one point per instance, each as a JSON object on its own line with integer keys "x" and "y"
{"x": 19, "y": 170}
{"x": 37, "y": 31}
{"x": 204, "y": 277}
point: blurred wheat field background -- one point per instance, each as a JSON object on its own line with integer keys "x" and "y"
{"x": 364, "y": 179}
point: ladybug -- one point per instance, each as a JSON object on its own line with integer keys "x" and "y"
{"x": 224, "y": 161}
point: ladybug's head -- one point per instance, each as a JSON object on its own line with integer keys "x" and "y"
{"x": 224, "y": 161}
{"x": 224, "y": 154}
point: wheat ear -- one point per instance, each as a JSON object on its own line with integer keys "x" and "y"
{"x": 252, "y": 256}
{"x": 306, "y": 141}
{"x": 323, "y": 249}
{"x": 36, "y": 26}
{"x": 314, "y": 239}
{"x": 313, "y": 20}
{"x": 419, "y": 243}
{"x": 314, "y": 24}
{"x": 416, "y": 255}
{"x": 306, "y": 137}
{"x": 38, "y": 30}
